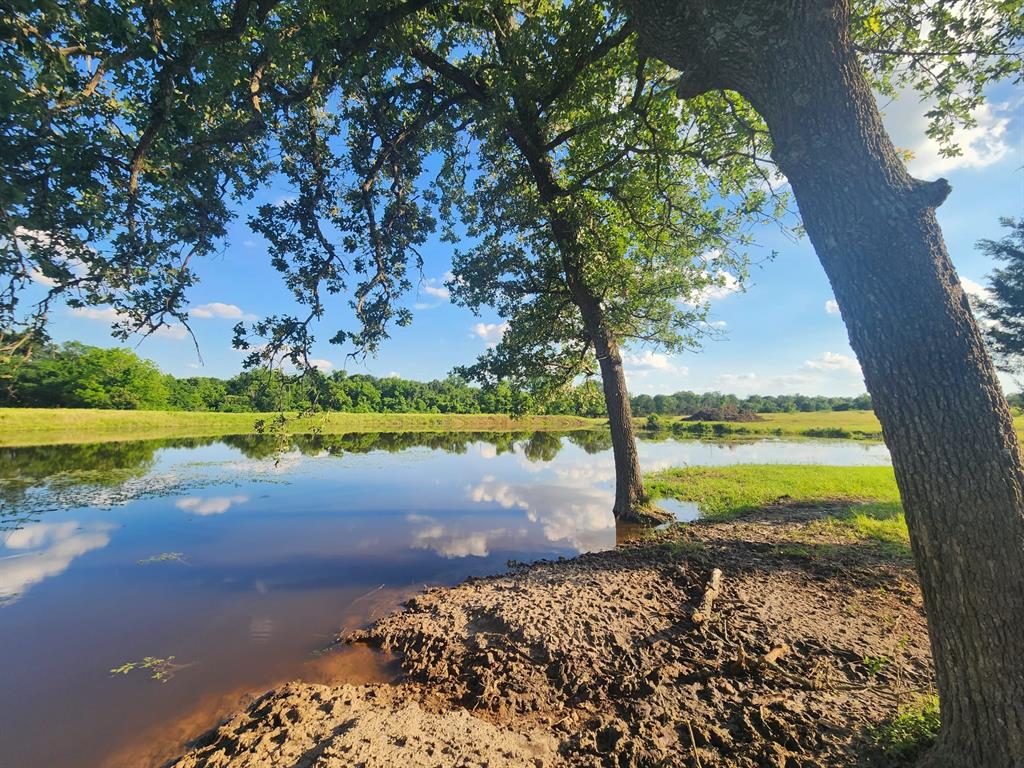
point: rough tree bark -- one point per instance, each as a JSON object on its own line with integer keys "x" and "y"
{"x": 933, "y": 386}
{"x": 631, "y": 501}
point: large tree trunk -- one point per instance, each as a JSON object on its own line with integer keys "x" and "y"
{"x": 944, "y": 417}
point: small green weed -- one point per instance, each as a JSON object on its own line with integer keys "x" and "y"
{"x": 160, "y": 670}
{"x": 682, "y": 548}
{"x": 910, "y": 732}
{"x": 164, "y": 557}
{"x": 875, "y": 664}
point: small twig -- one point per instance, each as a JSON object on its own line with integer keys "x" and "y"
{"x": 693, "y": 741}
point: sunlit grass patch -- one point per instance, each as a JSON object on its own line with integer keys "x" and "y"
{"x": 863, "y": 501}
{"x": 731, "y": 490}
{"x": 880, "y": 522}
{"x": 833, "y": 424}
{"x": 907, "y": 735}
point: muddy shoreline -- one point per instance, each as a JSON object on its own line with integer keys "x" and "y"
{"x": 765, "y": 641}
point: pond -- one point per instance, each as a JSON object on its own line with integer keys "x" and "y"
{"x": 242, "y": 558}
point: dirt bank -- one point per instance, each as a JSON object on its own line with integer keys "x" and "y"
{"x": 760, "y": 642}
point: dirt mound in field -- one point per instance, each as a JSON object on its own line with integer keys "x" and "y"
{"x": 747, "y": 644}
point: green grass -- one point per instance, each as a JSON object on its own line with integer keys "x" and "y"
{"x": 905, "y": 737}
{"x": 882, "y": 523}
{"x": 866, "y": 500}
{"x": 860, "y": 425}
{"x": 48, "y": 426}
{"x": 843, "y": 424}
{"x": 729, "y": 490}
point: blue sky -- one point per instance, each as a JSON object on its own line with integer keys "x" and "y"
{"x": 782, "y": 335}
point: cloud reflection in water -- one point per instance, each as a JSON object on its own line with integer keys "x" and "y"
{"x": 44, "y": 550}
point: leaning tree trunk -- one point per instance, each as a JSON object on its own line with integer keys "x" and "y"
{"x": 934, "y": 388}
{"x": 631, "y": 501}
{"x": 632, "y": 504}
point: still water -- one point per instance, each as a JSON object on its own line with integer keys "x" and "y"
{"x": 241, "y": 559}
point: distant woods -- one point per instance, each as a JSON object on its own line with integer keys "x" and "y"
{"x": 75, "y": 375}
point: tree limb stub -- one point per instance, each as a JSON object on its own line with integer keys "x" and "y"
{"x": 711, "y": 592}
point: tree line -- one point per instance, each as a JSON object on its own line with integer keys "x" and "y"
{"x": 75, "y": 375}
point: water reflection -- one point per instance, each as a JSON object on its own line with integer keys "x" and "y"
{"x": 447, "y": 540}
{"x": 576, "y": 514}
{"x": 212, "y": 505}
{"x": 42, "y": 550}
{"x": 283, "y": 548}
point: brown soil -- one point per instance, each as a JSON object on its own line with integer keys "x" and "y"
{"x": 620, "y": 659}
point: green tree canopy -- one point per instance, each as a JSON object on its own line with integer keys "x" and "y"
{"x": 79, "y": 376}
{"x": 1003, "y": 307}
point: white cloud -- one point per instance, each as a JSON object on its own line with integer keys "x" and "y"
{"x": 437, "y": 291}
{"x": 105, "y": 314}
{"x": 278, "y": 464}
{"x": 717, "y": 324}
{"x": 40, "y": 278}
{"x": 394, "y": 375}
{"x": 975, "y": 290}
{"x": 577, "y": 513}
{"x": 175, "y": 331}
{"x": 321, "y": 364}
{"x": 642, "y": 365}
{"x": 41, "y": 239}
{"x": 832, "y": 373}
{"x": 650, "y": 361}
{"x": 983, "y": 145}
{"x": 833, "y": 361}
{"x": 723, "y": 284}
{"x": 214, "y": 505}
{"x": 45, "y": 550}
{"x": 491, "y": 333}
{"x": 217, "y": 309}
{"x": 731, "y": 381}
{"x": 832, "y": 307}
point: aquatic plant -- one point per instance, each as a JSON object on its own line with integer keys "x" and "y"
{"x": 161, "y": 670}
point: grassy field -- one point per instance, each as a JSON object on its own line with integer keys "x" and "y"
{"x": 866, "y": 498}
{"x": 40, "y": 426}
{"x": 48, "y": 426}
{"x": 846, "y": 424}
{"x": 841, "y": 424}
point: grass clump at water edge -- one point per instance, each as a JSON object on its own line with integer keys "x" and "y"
{"x": 864, "y": 500}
